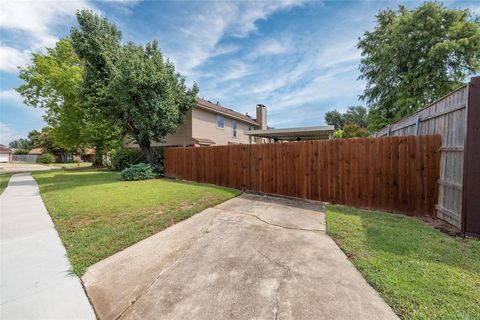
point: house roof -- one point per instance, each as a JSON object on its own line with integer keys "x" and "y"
{"x": 4, "y": 149}
{"x": 207, "y": 105}
{"x": 204, "y": 141}
{"x": 305, "y": 133}
{"x": 36, "y": 151}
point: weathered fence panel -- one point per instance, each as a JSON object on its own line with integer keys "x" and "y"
{"x": 31, "y": 158}
{"x": 397, "y": 174}
{"x": 447, "y": 117}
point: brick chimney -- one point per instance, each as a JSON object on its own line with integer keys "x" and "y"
{"x": 262, "y": 116}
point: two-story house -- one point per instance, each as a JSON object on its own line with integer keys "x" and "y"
{"x": 211, "y": 124}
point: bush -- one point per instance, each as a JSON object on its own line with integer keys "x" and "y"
{"x": 139, "y": 171}
{"x": 21, "y": 151}
{"x": 46, "y": 158}
{"x": 124, "y": 158}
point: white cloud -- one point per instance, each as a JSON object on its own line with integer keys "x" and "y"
{"x": 269, "y": 47}
{"x": 11, "y": 96}
{"x": 237, "y": 70}
{"x": 36, "y": 18}
{"x": 339, "y": 52}
{"x": 7, "y": 134}
{"x": 11, "y": 58}
{"x": 198, "y": 39}
{"x": 252, "y": 11}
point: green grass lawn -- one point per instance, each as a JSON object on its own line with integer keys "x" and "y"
{"x": 4, "y": 178}
{"x": 70, "y": 165}
{"x": 98, "y": 214}
{"x": 420, "y": 272}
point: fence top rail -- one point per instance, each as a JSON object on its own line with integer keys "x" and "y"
{"x": 462, "y": 87}
{"x": 370, "y": 138}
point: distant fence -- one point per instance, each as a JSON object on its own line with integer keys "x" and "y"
{"x": 397, "y": 174}
{"x": 448, "y": 117}
{"x": 32, "y": 158}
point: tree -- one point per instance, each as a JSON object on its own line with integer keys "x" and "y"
{"x": 351, "y": 130}
{"x": 53, "y": 82}
{"x": 413, "y": 57}
{"x": 334, "y": 118}
{"x": 354, "y": 115}
{"x": 33, "y": 138}
{"x": 26, "y": 144}
{"x": 20, "y": 144}
{"x": 130, "y": 84}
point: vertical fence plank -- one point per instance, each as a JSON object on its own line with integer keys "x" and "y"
{"x": 397, "y": 174}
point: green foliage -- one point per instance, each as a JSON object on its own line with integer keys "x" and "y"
{"x": 20, "y": 144}
{"x": 21, "y": 151}
{"x": 46, "y": 158}
{"x": 338, "y": 134}
{"x": 136, "y": 172}
{"x": 354, "y": 131}
{"x": 334, "y": 118}
{"x": 354, "y": 114}
{"x": 53, "y": 82}
{"x": 130, "y": 84}
{"x": 122, "y": 158}
{"x": 350, "y": 131}
{"x": 413, "y": 57}
{"x": 125, "y": 157}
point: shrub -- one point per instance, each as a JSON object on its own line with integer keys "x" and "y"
{"x": 139, "y": 171}
{"x": 123, "y": 158}
{"x": 21, "y": 151}
{"x": 46, "y": 158}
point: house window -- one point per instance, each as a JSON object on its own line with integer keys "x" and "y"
{"x": 234, "y": 128}
{"x": 220, "y": 122}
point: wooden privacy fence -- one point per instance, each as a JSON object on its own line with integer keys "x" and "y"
{"x": 397, "y": 174}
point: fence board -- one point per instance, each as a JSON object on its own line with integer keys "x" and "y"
{"x": 397, "y": 174}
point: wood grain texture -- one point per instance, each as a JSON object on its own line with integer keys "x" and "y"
{"x": 396, "y": 174}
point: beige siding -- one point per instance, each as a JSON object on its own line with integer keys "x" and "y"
{"x": 183, "y": 136}
{"x": 200, "y": 123}
{"x": 204, "y": 125}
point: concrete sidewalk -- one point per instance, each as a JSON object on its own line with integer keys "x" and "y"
{"x": 252, "y": 257}
{"x": 36, "y": 282}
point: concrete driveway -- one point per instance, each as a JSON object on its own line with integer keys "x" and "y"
{"x": 22, "y": 167}
{"x": 252, "y": 257}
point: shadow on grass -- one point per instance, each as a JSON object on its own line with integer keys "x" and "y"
{"x": 61, "y": 180}
{"x": 414, "y": 240}
{"x": 65, "y": 179}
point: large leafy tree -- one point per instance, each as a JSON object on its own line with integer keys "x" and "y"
{"x": 357, "y": 115}
{"x": 26, "y": 144}
{"x": 413, "y": 57}
{"x": 53, "y": 82}
{"x": 130, "y": 84}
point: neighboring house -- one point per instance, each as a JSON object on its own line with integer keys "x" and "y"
{"x": 88, "y": 155}
{"x": 211, "y": 124}
{"x": 5, "y": 154}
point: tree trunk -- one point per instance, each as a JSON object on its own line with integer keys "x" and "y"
{"x": 148, "y": 153}
{"x": 98, "y": 156}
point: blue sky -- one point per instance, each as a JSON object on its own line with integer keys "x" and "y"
{"x": 296, "y": 57}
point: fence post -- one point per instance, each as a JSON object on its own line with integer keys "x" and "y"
{"x": 471, "y": 167}
{"x": 417, "y": 126}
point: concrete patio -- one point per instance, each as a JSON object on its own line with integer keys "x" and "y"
{"x": 252, "y": 257}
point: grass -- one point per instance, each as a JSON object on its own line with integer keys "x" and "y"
{"x": 4, "y": 178}
{"x": 419, "y": 271}
{"x": 69, "y": 165}
{"x": 98, "y": 214}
